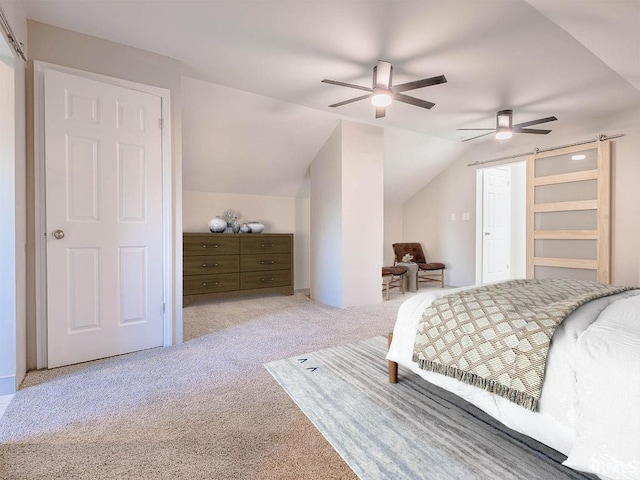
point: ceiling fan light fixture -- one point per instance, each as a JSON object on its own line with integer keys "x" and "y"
{"x": 505, "y": 128}
{"x": 504, "y": 125}
{"x": 504, "y": 119}
{"x": 381, "y": 98}
{"x": 382, "y": 93}
{"x": 504, "y": 134}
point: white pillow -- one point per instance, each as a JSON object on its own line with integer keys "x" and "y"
{"x": 608, "y": 385}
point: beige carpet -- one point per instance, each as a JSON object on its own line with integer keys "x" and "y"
{"x": 207, "y": 409}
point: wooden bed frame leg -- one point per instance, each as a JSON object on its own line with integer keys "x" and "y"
{"x": 393, "y": 366}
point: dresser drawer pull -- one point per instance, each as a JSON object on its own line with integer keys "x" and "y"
{"x": 267, "y": 262}
{"x": 204, "y": 265}
{"x": 207, "y": 246}
{"x": 267, "y": 279}
{"x": 267, "y": 245}
{"x": 204, "y": 284}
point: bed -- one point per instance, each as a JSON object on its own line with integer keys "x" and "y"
{"x": 589, "y": 405}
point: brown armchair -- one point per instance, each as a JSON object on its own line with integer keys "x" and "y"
{"x": 427, "y": 272}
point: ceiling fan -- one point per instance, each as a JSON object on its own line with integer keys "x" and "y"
{"x": 383, "y": 92}
{"x": 505, "y": 127}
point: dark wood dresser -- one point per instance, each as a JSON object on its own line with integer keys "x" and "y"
{"x": 228, "y": 265}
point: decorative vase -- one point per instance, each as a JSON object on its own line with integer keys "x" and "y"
{"x": 235, "y": 226}
{"x": 256, "y": 227}
{"x": 245, "y": 228}
{"x": 217, "y": 225}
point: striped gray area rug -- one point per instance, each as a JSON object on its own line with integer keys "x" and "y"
{"x": 411, "y": 430}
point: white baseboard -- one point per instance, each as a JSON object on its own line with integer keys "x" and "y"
{"x": 7, "y": 385}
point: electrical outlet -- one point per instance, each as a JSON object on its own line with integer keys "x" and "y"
{"x": 453, "y": 217}
{"x": 466, "y": 216}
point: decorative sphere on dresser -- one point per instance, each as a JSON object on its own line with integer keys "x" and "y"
{"x": 255, "y": 227}
{"x": 217, "y": 225}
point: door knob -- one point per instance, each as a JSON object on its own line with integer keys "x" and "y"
{"x": 58, "y": 234}
{"x": 487, "y": 233}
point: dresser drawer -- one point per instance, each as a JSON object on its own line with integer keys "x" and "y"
{"x": 265, "y": 244}
{"x": 262, "y": 262}
{"x": 208, "y": 244}
{"x": 207, "y": 264}
{"x": 221, "y": 282}
{"x": 272, "y": 278}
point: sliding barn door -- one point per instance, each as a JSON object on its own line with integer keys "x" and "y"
{"x": 568, "y": 213}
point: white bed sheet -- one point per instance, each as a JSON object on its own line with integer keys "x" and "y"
{"x": 608, "y": 380}
{"x": 554, "y": 424}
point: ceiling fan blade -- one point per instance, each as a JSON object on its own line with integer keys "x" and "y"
{"x": 531, "y": 130}
{"x": 425, "y": 82}
{"x": 382, "y": 75}
{"x": 381, "y": 112}
{"x": 535, "y": 122}
{"x": 413, "y": 101}
{"x": 351, "y": 100}
{"x": 492, "y": 129}
{"x": 350, "y": 85}
{"x": 477, "y": 136}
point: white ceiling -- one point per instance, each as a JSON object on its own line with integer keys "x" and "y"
{"x": 240, "y": 142}
{"x": 609, "y": 29}
{"x": 571, "y": 59}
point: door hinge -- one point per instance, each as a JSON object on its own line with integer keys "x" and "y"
{"x": 161, "y": 122}
{"x": 164, "y": 308}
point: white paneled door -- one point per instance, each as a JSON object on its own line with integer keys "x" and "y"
{"x": 103, "y": 151}
{"x": 496, "y": 221}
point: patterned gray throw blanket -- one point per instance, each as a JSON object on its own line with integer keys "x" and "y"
{"x": 496, "y": 337}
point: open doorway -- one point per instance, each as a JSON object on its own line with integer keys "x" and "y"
{"x": 501, "y": 228}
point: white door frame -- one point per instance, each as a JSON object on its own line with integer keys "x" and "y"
{"x": 9, "y": 287}
{"x": 40, "y": 205}
{"x": 479, "y": 223}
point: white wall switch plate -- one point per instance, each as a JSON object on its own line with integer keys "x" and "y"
{"x": 453, "y": 217}
{"x": 466, "y": 216}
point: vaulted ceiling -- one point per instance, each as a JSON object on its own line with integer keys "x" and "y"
{"x": 255, "y": 112}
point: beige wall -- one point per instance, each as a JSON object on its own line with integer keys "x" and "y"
{"x": 426, "y": 216}
{"x": 347, "y": 218}
{"x": 326, "y": 222}
{"x": 18, "y": 22}
{"x": 362, "y": 213}
{"x": 278, "y": 214}
{"x": 392, "y": 231}
{"x": 63, "y": 47}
